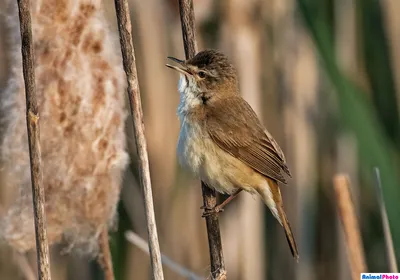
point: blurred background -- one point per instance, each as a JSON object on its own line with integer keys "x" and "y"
{"x": 324, "y": 77}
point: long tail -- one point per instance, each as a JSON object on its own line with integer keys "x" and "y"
{"x": 271, "y": 195}
{"x": 289, "y": 234}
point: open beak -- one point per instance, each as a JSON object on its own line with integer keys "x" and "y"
{"x": 180, "y": 68}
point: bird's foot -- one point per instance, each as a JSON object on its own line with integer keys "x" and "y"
{"x": 208, "y": 211}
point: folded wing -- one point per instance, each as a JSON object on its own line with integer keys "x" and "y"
{"x": 235, "y": 128}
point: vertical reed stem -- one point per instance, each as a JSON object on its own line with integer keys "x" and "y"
{"x": 32, "y": 118}
{"x": 351, "y": 229}
{"x": 105, "y": 258}
{"x": 391, "y": 256}
{"x": 209, "y": 196}
{"x": 128, "y": 55}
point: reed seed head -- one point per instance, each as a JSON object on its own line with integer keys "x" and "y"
{"x": 80, "y": 85}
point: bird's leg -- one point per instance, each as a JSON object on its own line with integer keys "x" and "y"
{"x": 219, "y": 207}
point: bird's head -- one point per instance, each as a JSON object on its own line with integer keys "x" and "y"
{"x": 208, "y": 76}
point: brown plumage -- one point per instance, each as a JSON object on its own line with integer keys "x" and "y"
{"x": 248, "y": 140}
{"x": 221, "y": 139}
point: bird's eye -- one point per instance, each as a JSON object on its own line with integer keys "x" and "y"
{"x": 202, "y": 74}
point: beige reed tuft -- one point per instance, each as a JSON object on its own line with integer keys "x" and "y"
{"x": 80, "y": 86}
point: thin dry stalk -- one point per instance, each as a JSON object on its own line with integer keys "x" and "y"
{"x": 128, "y": 55}
{"x": 105, "y": 259}
{"x": 186, "y": 12}
{"x": 391, "y": 256}
{"x": 351, "y": 229}
{"x": 209, "y": 196}
{"x": 180, "y": 270}
{"x": 218, "y": 271}
{"x": 25, "y": 267}
{"x": 32, "y": 117}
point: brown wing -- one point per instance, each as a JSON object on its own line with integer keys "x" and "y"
{"x": 235, "y": 128}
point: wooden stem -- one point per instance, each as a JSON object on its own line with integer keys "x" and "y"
{"x": 186, "y": 12}
{"x": 105, "y": 258}
{"x": 351, "y": 229}
{"x": 218, "y": 271}
{"x": 32, "y": 118}
{"x": 209, "y": 196}
{"x": 128, "y": 55}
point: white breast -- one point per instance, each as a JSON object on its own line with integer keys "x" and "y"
{"x": 191, "y": 140}
{"x": 190, "y": 147}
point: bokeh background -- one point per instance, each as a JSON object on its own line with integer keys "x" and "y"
{"x": 324, "y": 77}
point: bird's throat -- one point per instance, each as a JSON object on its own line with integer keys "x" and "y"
{"x": 182, "y": 84}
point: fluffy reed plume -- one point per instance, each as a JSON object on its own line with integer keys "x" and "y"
{"x": 80, "y": 86}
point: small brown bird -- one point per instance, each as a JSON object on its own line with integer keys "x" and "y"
{"x": 221, "y": 139}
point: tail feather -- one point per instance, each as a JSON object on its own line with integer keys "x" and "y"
{"x": 271, "y": 196}
{"x": 289, "y": 234}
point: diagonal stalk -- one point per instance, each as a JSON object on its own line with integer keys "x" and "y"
{"x": 32, "y": 119}
{"x": 128, "y": 55}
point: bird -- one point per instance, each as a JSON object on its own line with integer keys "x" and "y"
{"x": 221, "y": 139}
